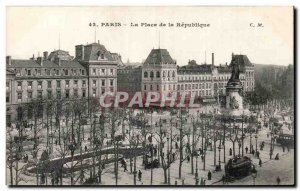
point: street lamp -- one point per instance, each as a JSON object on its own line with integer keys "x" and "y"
{"x": 168, "y": 155}
{"x": 254, "y": 174}
{"x": 196, "y": 174}
{"x": 219, "y": 148}
{"x": 239, "y": 143}
{"x": 256, "y": 143}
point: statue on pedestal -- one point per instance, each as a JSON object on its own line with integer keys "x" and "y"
{"x": 235, "y": 72}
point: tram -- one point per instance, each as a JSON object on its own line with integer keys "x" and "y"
{"x": 285, "y": 140}
{"x": 238, "y": 167}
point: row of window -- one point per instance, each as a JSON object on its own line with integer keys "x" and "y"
{"x": 49, "y": 84}
{"x": 58, "y": 94}
{"x": 102, "y": 71}
{"x": 157, "y": 75}
{"x": 194, "y": 78}
{"x": 249, "y": 73}
{"x": 50, "y": 72}
{"x": 111, "y": 83}
{"x": 49, "y": 95}
{"x": 194, "y": 86}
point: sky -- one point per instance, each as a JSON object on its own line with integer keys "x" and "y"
{"x": 32, "y": 30}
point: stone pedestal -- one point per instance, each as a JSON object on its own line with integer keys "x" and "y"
{"x": 234, "y": 100}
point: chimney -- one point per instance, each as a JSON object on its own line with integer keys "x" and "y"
{"x": 45, "y": 55}
{"x": 79, "y": 52}
{"x": 32, "y": 57}
{"x": 40, "y": 61}
{"x": 57, "y": 61}
{"x": 8, "y": 60}
{"x": 212, "y": 59}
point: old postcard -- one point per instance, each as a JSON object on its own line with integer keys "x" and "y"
{"x": 150, "y": 96}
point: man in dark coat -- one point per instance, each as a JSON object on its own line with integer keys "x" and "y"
{"x": 278, "y": 180}
{"x": 140, "y": 175}
{"x": 209, "y": 175}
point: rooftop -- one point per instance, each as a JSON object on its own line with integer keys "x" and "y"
{"x": 158, "y": 56}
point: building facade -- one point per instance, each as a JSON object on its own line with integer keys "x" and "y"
{"x": 91, "y": 73}
{"x": 160, "y": 73}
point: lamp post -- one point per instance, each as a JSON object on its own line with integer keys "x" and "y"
{"x": 219, "y": 156}
{"x": 256, "y": 143}
{"x": 271, "y": 147}
{"x": 254, "y": 174}
{"x": 239, "y": 143}
{"x": 196, "y": 174}
{"x": 168, "y": 155}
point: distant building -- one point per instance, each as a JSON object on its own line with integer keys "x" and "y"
{"x": 129, "y": 79}
{"x": 160, "y": 73}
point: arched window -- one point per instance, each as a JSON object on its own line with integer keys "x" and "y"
{"x": 157, "y": 74}
{"x": 164, "y": 74}
{"x": 173, "y": 74}
{"x": 151, "y": 74}
{"x": 168, "y": 73}
{"x": 145, "y": 74}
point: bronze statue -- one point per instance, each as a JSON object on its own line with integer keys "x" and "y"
{"x": 235, "y": 72}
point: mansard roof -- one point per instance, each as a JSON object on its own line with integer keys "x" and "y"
{"x": 242, "y": 60}
{"x": 193, "y": 68}
{"x": 158, "y": 56}
{"x": 61, "y": 54}
{"x": 45, "y": 64}
{"x": 93, "y": 51}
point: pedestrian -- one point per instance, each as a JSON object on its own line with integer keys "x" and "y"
{"x": 223, "y": 179}
{"x": 230, "y": 152}
{"x": 125, "y": 167}
{"x": 277, "y": 156}
{"x": 140, "y": 175}
{"x": 188, "y": 158}
{"x": 246, "y": 150}
{"x": 278, "y": 180}
{"x": 209, "y": 175}
{"x": 257, "y": 154}
{"x": 260, "y": 162}
{"x": 85, "y": 148}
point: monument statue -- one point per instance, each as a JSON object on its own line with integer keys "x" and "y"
{"x": 235, "y": 72}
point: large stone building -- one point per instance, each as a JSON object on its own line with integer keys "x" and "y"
{"x": 159, "y": 72}
{"x": 91, "y": 73}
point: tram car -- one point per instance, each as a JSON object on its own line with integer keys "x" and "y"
{"x": 285, "y": 140}
{"x": 238, "y": 167}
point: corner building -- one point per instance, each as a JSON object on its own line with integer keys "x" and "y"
{"x": 91, "y": 73}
